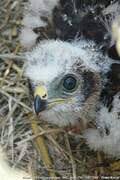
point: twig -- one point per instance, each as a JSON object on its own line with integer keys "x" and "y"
{"x": 11, "y": 56}
{"x": 71, "y": 158}
{"x": 100, "y": 160}
{"x": 41, "y": 146}
{"x": 44, "y": 132}
{"x": 115, "y": 165}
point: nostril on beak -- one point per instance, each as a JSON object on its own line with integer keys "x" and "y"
{"x": 44, "y": 96}
{"x": 39, "y": 104}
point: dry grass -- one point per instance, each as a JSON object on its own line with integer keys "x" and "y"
{"x": 69, "y": 155}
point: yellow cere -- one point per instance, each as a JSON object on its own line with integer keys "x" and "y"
{"x": 41, "y": 91}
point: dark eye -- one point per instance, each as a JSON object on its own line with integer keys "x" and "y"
{"x": 69, "y": 82}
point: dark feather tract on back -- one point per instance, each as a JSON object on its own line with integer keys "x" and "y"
{"x": 73, "y": 19}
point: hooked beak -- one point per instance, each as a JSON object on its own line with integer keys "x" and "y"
{"x": 40, "y": 99}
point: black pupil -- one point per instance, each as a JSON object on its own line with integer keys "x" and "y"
{"x": 69, "y": 83}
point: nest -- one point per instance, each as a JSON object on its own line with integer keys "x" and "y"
{"x": 66, "y": 153}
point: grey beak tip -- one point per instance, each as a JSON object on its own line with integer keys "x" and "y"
{"x": 39, "y": 104}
